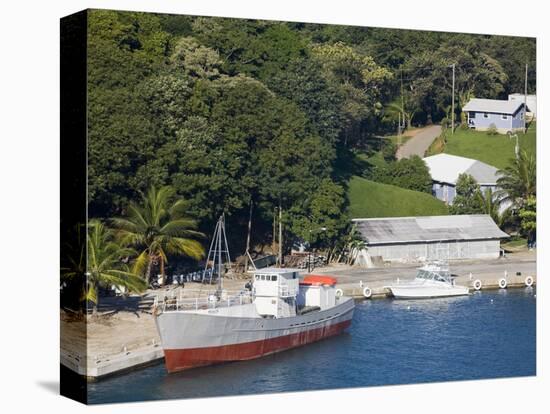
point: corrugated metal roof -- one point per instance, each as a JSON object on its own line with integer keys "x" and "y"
{"x": 446, "y": 168}
{"x": 428, "y": 229}
{"x": 493, "y": 105}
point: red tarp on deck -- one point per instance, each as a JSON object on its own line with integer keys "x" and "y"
{"x": 319, "y": 280}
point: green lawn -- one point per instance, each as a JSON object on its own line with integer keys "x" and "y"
{"x": 496, "y": 150}
{"x": 371, "y": 199}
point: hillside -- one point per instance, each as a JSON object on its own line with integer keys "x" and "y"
{"x": 371, "y": 199}
{"x": 496, "y": 150}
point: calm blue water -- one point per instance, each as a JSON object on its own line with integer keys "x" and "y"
{"x": 485, "y": 335}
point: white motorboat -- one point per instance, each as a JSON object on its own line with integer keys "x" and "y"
{"x": 432, "y": 280}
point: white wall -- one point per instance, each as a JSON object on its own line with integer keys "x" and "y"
{"x": 417, "y": 252}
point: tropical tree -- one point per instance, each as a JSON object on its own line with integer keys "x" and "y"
{"x": 355, "y": 247}
{"x": 528, "y": 219}
{"x": 404, "y": 111}
{"x": 159, "y": 227}
{"x": 73, "y": 266}
{"x": 106, "y": 263}
{"x": 491, "y": 206}
{"x": 468, "y": 199}
{"x": 518, "y": 181}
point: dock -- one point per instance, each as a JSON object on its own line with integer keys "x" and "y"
{"x": 126, "y": 339}
{"x": 488, "y": 282}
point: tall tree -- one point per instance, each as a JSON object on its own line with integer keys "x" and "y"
{"x": 159, "y": 227}
{"x": 491, "y": 205}
{"x": 429, "y": 76}
{"x": 105, "y": 265}
{"x": 468, "y": 199}
{"x": 518, "y": 181}
{"x": 528, "y": 219}
{"x": 358, "y": 79}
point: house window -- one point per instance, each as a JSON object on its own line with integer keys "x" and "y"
{"x": 504, "y": 116}
{"x": 485, "y": 115}
{"x": 521, "y": 115}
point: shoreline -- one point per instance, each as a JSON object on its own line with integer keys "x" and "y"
{"x": 114, "y": 344}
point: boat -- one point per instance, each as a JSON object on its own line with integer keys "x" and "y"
{"x": 280, "y": 311}
{"x": 432, "y": 280}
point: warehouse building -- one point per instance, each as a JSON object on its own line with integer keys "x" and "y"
{"x": 416, "y": 239}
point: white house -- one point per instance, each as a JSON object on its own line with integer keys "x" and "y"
{"x": 445, "y": 169}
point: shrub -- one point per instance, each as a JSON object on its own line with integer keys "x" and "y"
{"x": 492, "y": 130}
{"x": 388, "y": 151}
{"x": 410, "y": 173}
{"x": 445, "y": 122}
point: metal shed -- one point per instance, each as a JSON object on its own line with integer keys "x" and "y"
{"x": 414, "y": 239}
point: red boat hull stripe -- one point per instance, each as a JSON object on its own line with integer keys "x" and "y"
{"x": 181, "y": 359}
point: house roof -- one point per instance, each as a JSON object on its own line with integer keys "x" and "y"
{"x": 493, "y": 105}
{"x": 446, "y": 168}
{"x": 428, "y": 229}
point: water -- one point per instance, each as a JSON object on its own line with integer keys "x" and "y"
{"x": 484, "y": 335}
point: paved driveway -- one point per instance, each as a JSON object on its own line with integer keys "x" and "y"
{"x": 418, "y": 144}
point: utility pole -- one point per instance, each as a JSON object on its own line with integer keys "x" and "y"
{"x": 399, "y": 129}
{"x": 453, "y": 103}
{"x": 402, "y": 100}
{"x": 280, "y": 234}
{"x": 525, "y": 102}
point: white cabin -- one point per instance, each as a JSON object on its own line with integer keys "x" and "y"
{"x": 279, "y": 293}
{"x": 275, "y": 291}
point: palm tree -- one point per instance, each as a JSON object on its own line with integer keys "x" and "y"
{"x": 518, "y": 181}
{"x": 355, "y": 248}
{"x": 394, "y": 111}
{"x": 73, "y": 267}
{"x": 106, "y": 265}
{"x": 159, "y": 227}
{"x": 491, "y": 205}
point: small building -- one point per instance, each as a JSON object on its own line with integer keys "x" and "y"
{"x": 445, "y": 169}
{"x": 505, "y": 116}
{"x": 417, "y": 239}
{"x": 531, "y": 103}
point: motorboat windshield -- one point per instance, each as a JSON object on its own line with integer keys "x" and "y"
{"x": 435, "y": 271}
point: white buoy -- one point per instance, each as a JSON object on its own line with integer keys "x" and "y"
{"x": 367, "y": 292}
{"x": 502, "y": 283}
{"x": 477, "y": 284}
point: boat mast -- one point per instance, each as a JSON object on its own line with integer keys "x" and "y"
{"x": 220, "y": 253}
{"x": 219, "y": 250}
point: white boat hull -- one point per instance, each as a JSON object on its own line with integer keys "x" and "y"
{"x": 191, "y": 339}
{"x": 426, "y": 290}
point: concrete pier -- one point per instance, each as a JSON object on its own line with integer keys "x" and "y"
{"x": 380, "y": 292}
{"x": 514, "y": 268}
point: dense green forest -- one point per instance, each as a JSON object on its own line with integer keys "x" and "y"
{"x": 247, "y": 117}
